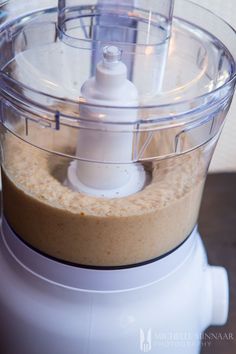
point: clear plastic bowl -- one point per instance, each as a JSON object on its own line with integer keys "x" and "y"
{"x": 184, "y": 72}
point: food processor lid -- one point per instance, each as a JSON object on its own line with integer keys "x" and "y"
{"x": 178, "y": 76}
{"x": 176, "y": 64}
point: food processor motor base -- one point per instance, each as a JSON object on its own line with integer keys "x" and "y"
{"x": 52, "y": 307}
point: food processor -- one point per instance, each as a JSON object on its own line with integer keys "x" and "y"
{"x": 110, "y": 114}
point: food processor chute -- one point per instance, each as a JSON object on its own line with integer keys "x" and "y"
{"x": 106, "y": 22}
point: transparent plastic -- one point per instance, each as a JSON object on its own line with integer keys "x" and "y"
{"x": 88, "y": 230}
{"x": 139, "y": 27}
{"x": 185, "y": 83}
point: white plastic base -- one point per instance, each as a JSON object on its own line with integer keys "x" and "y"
{"x": 124, "y": 179}
{"x": 161, "y": 307}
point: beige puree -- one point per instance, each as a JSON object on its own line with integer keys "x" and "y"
{"x": 96, "y": 231}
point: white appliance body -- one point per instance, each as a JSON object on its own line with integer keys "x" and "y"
{"x": 160, "y": 307}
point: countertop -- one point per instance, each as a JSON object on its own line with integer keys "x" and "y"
{"x": 217, "y": 226}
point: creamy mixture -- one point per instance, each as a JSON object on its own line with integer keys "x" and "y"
{"x": 96, "y": 231}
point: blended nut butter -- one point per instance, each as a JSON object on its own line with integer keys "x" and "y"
{"x": 87, "y": 230}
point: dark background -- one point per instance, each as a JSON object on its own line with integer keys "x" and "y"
{"x": 217, "y": 226}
